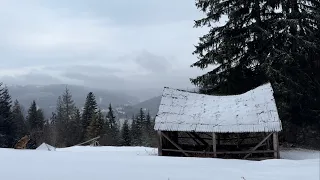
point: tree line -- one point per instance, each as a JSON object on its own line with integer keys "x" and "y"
{"x": 69, "y": 125}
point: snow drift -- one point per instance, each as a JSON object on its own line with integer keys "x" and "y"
{"x": 139, "y": 163}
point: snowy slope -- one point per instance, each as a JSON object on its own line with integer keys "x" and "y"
{"x": 139, "y": 163}
{"x": 300, "y": 154}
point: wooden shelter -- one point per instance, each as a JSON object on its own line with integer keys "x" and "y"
{"x": 241, "y": 126}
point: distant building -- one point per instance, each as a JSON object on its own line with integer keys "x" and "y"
{"x": 242, "y": 126}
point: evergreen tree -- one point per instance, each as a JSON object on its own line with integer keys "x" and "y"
{"x": 148, "y": 123}
{"x": 6, "y": 122}
{"x": 47, "y": 132}
{"x": 148, "y": 134}
{"x": 35, "y": 118}
{"x": 65, "y": 113}
{"x": 137, "y": 128}
{"x": 89, "y": 111}
{"x": 111, "y": 118}
{"x": 263, "y": 41}
{"x": 60, "y": 123}
{"x": 112, "y": 131}
{"x": 35, "y": 121}
{"x": 96, "y": 126}
{"x": 68, "y": 104}
{"x": 125, "y": 134}
{"x": 74, "y": 133}
{"x": 134, "y": 132}
{"x": 51, "y": 133}
{"x": 20, "y": 127}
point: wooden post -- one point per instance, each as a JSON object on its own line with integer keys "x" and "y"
{"x": 193, "y": 138}
{"x": 176, "y": 145}
{"x": 276, "y": 146}
{"x": 159, "y": 143}
{"x": 214, "y": 145}
{"x": 200, "y": 139}
{"x": 258, "y": 145}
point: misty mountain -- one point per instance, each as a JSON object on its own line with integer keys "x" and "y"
{"x": 150, "y": 105}
{"x": 46, "y": 96}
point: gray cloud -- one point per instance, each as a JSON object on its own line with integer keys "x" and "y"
{"x": 154, "y": 63}
{"x": 133, "y": 13}
{"x": 31, "y": 78}
{"x": 107, "y": 44}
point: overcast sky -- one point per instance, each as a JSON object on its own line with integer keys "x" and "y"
{"x": 110, "y": 44}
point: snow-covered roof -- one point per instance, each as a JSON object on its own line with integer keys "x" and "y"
{"x": 253, "y": 111}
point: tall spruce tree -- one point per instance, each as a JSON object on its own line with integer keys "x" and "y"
{"x": 89, "y": 111}
{"x": 138, "y": 128}
{"x": 6, "y": 123}
{"x": 263, "y": 41}
{"x": 96, "y": 125}
{"x": 74, "y": 132}
{"x": 51, "y": 133}
{"x": 68, "y": 110}
{"x": 69, "y": 107}
{"x": 35, "y": 121}
{"x": 125, "y": 134}
{"x": 148, "y": 133}
{"x": 20, "y": 127}
{"x": 60, "y": 124}
{"x": 113, "y": 131}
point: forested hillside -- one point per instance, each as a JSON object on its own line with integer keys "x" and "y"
{"x": 69, "y": 125}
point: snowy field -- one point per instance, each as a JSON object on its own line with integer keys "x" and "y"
{"x": 139, "y": 163}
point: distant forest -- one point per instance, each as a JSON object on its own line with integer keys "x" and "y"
{"x": 69, "y": 125}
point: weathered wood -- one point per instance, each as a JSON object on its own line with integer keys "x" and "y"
{"x": 182, "y": 137}
{"x": 176, "y": 145}
{"x": 221, "y": 139}
{"x": 209, "y": 136}
{"x": 214, "y": 144}
{"x": 200, "y": 139}
{"x": 221, "y": 152}
{"x": 90, "y": 140}
{"x": 193, "y": 138}
{"x": 258, "y": 145}
{"x": 268, "y": 144}
{"x": 260, "y": 158}
{"x": 160, "y": 143}
{"x": 276, "y": 146}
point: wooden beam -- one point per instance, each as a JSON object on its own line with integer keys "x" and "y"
{"x": 222, "y": 139}
{"x": 258, "y": 145}
{"x": 176, "y": 145}
{"x": 209, "y": 136}
{"x": 182, "y": 137}
{"x": 200, "y": 139}
{"x": 221, "y": 152}
{"x": 214, "y": 144}
{"x": 276, "y": 145}
{"x": 193, "y": 138}
{"x": 160, "y": 143}
{"x": 90, "y": 140}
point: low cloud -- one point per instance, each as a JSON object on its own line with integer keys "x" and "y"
{"x": 95, "y": 44}
{"x": 31, "y": 78}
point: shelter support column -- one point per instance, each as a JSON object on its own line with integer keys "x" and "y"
{"x": 214, "y": 144}
{"x": 276, "y": 145}
{"x": 159, "y": 143}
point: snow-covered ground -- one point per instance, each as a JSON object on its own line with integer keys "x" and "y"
{"x": 139, "y": 163}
